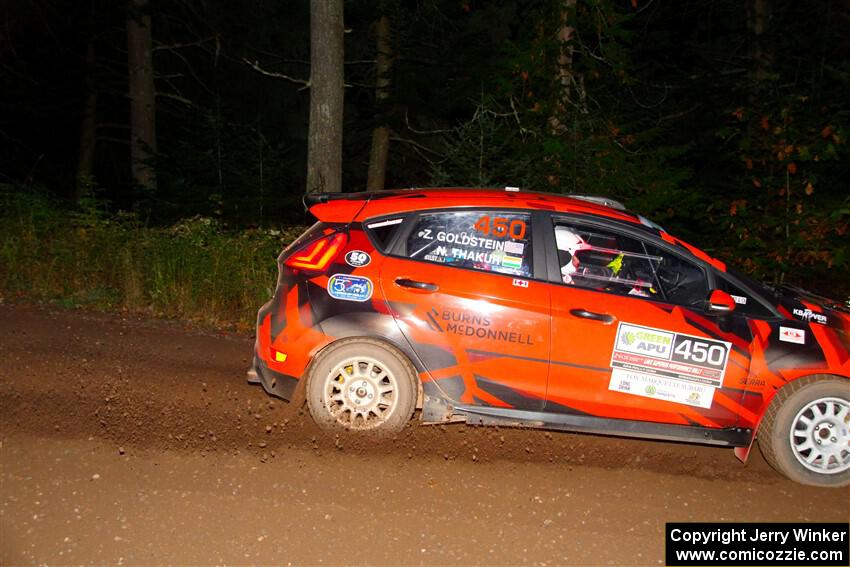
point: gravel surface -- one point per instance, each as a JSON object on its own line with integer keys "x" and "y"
{"x": 128, "y": 441}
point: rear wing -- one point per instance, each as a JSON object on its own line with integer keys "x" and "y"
{"x": 344, "y": 207}
{"x": 335, "y": 207}
{"x": 311, "y": 199}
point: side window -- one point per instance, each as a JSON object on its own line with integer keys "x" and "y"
{"x": 605, "y": 260}
{"x": 745, "y": 303}
{"x": 490, "y": 241}
{"x": 382, "y": 231}
{"x": 681, "y": 281}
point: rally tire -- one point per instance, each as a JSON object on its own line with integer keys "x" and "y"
{"x": 793, "y": 407}
{"x": 362, "y": 384}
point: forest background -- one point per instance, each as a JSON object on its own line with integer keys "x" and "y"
{"x": 153, "y": 154}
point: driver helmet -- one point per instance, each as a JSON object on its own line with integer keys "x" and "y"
{"x": 568, "y": 241}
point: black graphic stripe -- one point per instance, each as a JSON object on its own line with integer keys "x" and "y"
{"x": 717, "y": 336}
{"x": 739, "y": 392}
{"x": 541, "y": 360}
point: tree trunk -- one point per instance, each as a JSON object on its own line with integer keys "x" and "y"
{"x": 324, "y": 144}
{"x": 381, "y": 134}
{"x": 88, "y": 129}
{"x": 142, "y": 96}
{"x": 564, "y": 72}
{"x": 760, "y": 55}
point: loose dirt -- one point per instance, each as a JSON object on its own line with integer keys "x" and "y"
{"x": 128, "y": 441}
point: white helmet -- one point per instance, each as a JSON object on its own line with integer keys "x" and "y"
{"x": 569, "y": 241}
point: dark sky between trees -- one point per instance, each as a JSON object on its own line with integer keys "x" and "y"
{"x": 725, "y": 120}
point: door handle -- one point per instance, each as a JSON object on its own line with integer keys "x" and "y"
{"x": 423, "y": 286}
{"x": 601, "y": 317}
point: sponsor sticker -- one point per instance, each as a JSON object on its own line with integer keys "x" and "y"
{"x": 357, "y": 258}
{"x": 661, "y": 388}
{"x": 739, "y": 299}
{"x": 514, "y": 248}
{"x": 474, "y": 324}
{"x": 350, "y": 288}
{"x": 809, "y": 316}
{"x": 791, "y": 335}
{"x": 671, "y": 355}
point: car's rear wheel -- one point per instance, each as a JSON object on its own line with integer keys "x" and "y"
{"x": 362, "y": 384}
{"x": 805, "y": 433}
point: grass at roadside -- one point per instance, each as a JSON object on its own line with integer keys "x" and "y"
{"x": 194, "y": 270}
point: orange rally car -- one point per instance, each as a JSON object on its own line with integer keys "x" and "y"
{"x": 560, "y": 312}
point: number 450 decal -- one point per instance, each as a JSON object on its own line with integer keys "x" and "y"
{"x": 500, "y": 227}
{"x": 700, "y": 352}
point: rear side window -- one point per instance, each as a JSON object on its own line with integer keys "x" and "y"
{"x": 383, "y": 231}
{"x": 490, "y": 241}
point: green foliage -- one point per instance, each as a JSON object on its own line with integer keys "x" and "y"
{"x": 785, "y": 215}
{"x": 563, "y": 127}
{"x": 749, "y": 163}
{"x": 661, "y": 106}
{"x": 192, "y": 270}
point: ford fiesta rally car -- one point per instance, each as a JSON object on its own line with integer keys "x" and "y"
{"x": 569, "y": 313}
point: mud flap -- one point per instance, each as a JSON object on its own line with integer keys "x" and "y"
{"x": 743, "y": 453}
{"x": 437, "y": 409}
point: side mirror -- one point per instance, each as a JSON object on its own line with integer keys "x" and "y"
{"x": 720, "y": 303}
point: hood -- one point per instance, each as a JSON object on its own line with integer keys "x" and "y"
{"x": 810, "y": 307}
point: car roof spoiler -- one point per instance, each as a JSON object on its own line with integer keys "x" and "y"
{"x": 324, "y": 207}
{"x": 311, "y": 199}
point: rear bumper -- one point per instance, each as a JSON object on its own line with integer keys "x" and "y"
{"x": 274, "y": 383}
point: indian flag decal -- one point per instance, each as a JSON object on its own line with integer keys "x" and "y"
{"x": 512, "y": 262}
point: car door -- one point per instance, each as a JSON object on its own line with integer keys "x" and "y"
{"x": 630, "y": 337}
{"x": 461, "y": 287}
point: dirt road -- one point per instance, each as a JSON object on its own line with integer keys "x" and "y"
{"x": 139, "y": 442}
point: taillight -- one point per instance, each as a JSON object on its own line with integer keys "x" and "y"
{"x": 318, "y": 254}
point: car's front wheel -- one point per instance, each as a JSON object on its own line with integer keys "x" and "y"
{"x": 362, "y": 384}
{"x": 805, "y": 433}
